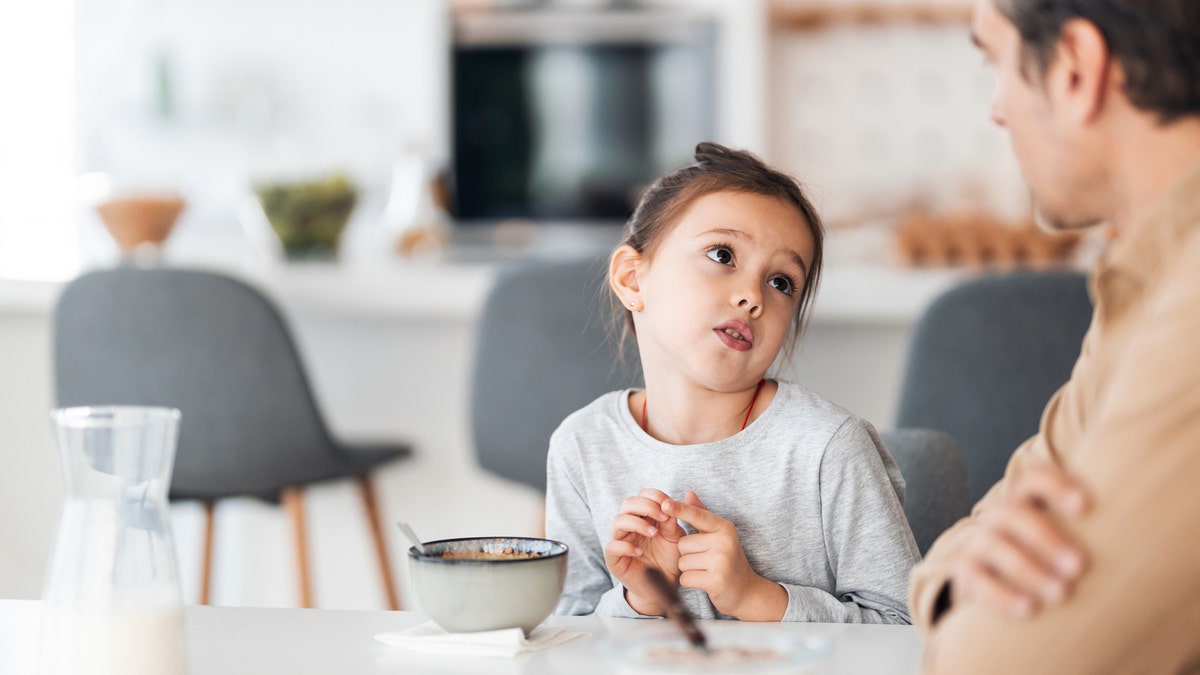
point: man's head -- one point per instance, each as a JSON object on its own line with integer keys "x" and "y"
{"x": 1070, "y": 77}
{"x": 1156, "y": 43}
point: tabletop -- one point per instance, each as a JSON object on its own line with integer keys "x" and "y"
{"x": 237, "y": 640}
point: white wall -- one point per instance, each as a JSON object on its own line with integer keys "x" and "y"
{"x": 30, "y": 484}
{"x": 880, "y": 119}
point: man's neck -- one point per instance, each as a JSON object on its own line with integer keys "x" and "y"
{"x": 1150, "y": 160}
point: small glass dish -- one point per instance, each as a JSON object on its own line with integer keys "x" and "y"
{"x": 730, "y": 653}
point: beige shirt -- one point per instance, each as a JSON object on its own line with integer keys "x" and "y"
{"x": 1127, "y": 425}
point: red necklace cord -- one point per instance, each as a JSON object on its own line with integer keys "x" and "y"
{"x": 746, "y": 421}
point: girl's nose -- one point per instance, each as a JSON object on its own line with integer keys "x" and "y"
{"x": 755, "y": 308}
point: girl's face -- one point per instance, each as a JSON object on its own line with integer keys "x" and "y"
{"x": 721, "y": 292}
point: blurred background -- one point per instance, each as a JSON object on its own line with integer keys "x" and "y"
{"x": 441, "y": 140}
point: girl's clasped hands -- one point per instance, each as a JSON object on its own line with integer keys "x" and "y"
{"x": 647, "y": 533}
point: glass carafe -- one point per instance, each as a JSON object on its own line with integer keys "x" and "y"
{"x": 112, "y": 603}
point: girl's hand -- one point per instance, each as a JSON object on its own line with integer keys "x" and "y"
{"x": 713, "y": 561}
{"x": 643, "y": 536}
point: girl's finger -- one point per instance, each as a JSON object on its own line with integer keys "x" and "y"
{"x": 697, "y": 543}
{"x": 700, "y": 579}
{"x": 701, "y": 519}
{"x": 694, "y": 562}
{"x": 644, "y": 506}
{"x": 617, "y": 548}
{"x": 628, "y": 523}
{"x": 650, "y": 493}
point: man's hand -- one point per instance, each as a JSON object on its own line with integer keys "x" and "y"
{"x": 1018, "y": 558}
{"x": 643, "y": 536}
{"x": 713, "y": 561}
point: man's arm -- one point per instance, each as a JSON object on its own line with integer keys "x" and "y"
{"x": 1010, "y": 552}
{"x": 1137, "y": 607}
{"x": 929, "y": 590}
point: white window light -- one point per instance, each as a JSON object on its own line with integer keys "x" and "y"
{"x": 38, "y": 204}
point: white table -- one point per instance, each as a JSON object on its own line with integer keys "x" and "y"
{"x": 233, "y": 641}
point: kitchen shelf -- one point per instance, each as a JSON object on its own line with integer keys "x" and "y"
{"x": 795, "y": 17}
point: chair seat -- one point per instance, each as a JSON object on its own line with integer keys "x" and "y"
{"x": 368, "y": 455}
{"x": 353, "y": 460}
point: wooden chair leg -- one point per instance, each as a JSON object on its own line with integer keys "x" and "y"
{"x": 206, "y": 564}
{"x": 374, "y": 518}
{"x": 293, "y": 502}
{"x": 540, "y": 525}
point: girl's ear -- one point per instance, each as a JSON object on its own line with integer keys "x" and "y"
{"x": 623, "y": 276}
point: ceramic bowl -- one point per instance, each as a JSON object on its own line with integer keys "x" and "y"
{"x": 489, "y": 583}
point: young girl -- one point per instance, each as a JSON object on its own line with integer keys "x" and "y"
{"x": 760, "y": 499}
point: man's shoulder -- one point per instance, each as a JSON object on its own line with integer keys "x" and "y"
{"x": 1178, "y": 287}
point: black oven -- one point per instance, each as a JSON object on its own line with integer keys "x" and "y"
{"x": 564, "y": 115}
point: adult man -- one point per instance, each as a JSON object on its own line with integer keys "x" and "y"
{"x": 1083, "y": 558}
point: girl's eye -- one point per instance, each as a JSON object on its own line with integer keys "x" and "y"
{"x": 720, "y": 254}
{"x": 782, "y": 284}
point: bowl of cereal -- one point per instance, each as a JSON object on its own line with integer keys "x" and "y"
{"x": 489, "y": 583}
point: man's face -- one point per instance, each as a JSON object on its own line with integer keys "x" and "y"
{"x": 1023, "y": 104}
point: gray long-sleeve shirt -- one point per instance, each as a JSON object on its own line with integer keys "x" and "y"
{"x": 815, "y": 497}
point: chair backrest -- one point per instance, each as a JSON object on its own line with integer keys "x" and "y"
{"x": 209, "y": 345}
{"x": 543, "y": 351}
{"x": 935, "y": 480}
{"x": 985, "y": 358}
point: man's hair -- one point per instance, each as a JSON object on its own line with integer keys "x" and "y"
{"x": 1157, "y": 42}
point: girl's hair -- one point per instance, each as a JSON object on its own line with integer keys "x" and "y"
{"x": 717, "y": 169}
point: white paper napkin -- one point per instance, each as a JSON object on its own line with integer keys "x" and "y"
{"x": 508, "y": 643}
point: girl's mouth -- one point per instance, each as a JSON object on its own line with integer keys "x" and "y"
{"x": 735, "y": 335}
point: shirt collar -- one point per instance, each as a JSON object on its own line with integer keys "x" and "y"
{"x": 1141, "y": 251}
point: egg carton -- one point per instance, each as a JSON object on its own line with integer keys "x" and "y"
{"x": 974, "y": 240}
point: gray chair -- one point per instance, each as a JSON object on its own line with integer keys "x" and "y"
{"x": 935, "y": 478}
{"x": 985, "y": 358}
{"x": 544, "y": 350}
{"x": 219, "y": 351}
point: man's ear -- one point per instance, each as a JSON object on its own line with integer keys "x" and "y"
{"x": 1082, "y": 71}
{"x": 623, "y": 276}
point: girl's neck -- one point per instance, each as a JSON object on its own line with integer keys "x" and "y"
{"x": 682, "y": 414}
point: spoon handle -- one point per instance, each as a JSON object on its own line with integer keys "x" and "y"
{"x": 412, "y": 536}
{"x": 676, "y": 610}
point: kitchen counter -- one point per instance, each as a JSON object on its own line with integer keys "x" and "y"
{"x": 854, "y": 293}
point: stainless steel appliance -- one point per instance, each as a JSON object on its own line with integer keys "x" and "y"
{"x": 563, "y": 114}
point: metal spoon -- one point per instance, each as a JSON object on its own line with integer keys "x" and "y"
{"x": 412, "y": 536}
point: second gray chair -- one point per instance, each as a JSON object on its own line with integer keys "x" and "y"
{"x": 218, "y": 350}
{"x": 935, "y": 478}
{"x": 543, "y": 352}
{"x": 985, "y": 358}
